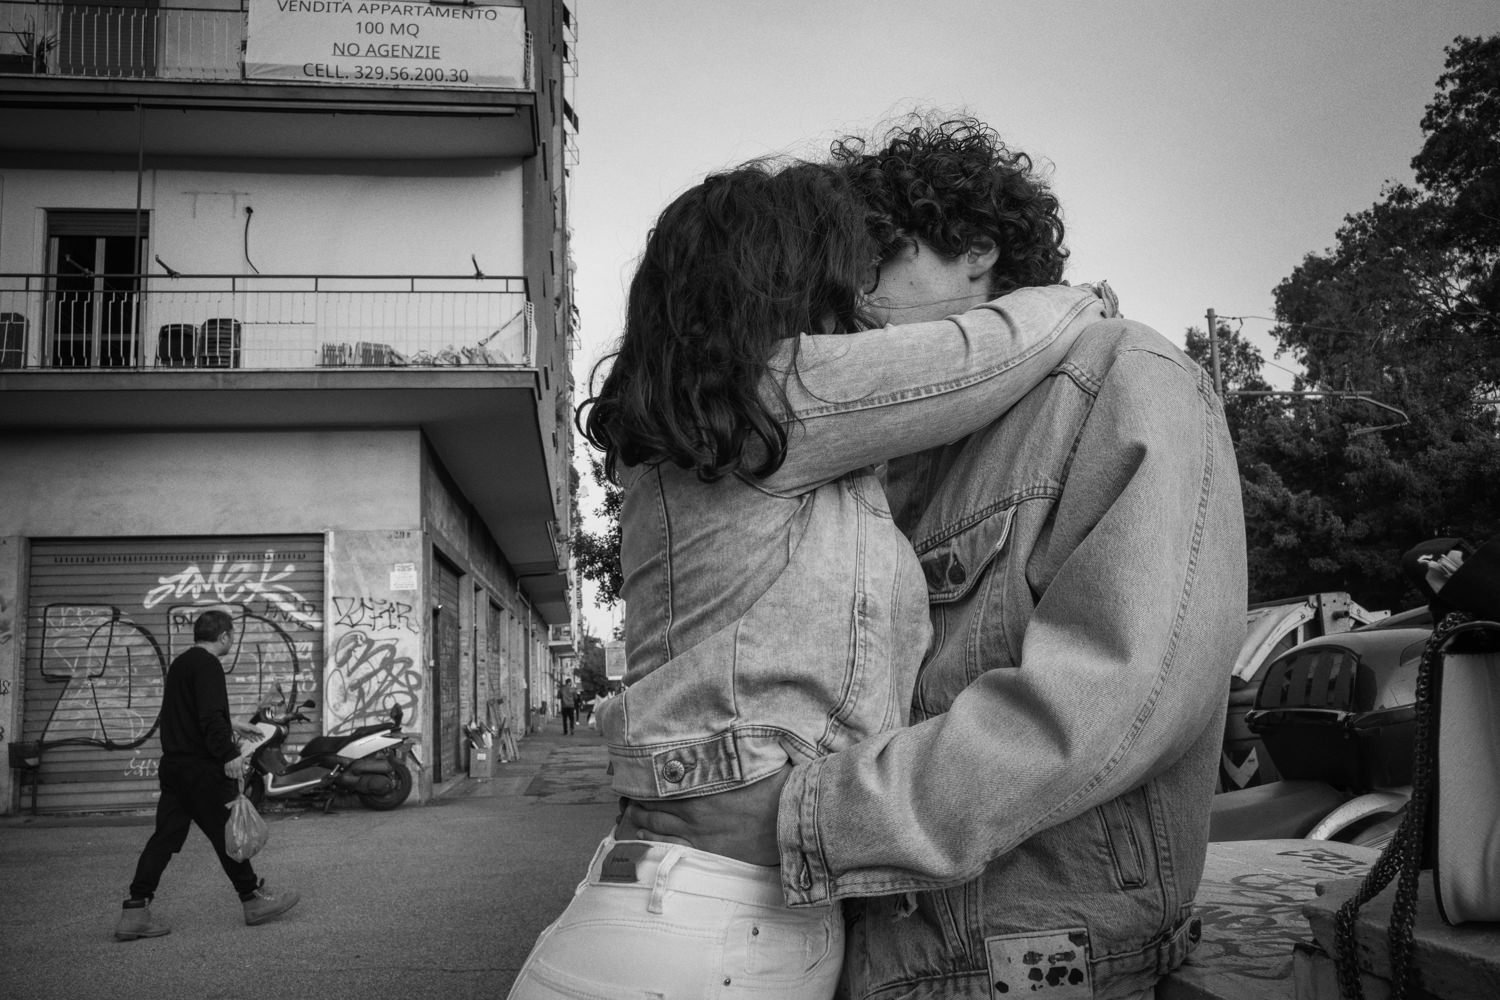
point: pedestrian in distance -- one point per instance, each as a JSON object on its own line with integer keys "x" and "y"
{"x": 199, "y": 773}
{"x": 567, "y": 699}
{"x": 776, "y": 614}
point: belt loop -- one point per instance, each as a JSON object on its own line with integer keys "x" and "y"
{"x": 591, "y": 874}
{"x": 659, "y": 886}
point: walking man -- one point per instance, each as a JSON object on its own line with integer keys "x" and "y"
{"x": 567, "y": 695}
{"x": 200, "y": 765}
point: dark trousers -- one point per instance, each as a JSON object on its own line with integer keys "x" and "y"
{"x": 568, "y": 716}
{"x": 192, "y": 791}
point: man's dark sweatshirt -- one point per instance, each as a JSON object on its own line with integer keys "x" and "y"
{"x": 195, "y": 709}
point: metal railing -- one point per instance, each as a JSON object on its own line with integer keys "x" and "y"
{"x": 268, "y": 322}
{"x": 195, "y": 43}
{"x": 205, "y": 42}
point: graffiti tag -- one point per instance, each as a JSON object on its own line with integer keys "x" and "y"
{"x": 374, "y": 613}
{"x": 235, "y": 583}
{"x": 366, "y": 678}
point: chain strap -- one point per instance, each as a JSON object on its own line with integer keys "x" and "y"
{"x": 1402, "y": 858}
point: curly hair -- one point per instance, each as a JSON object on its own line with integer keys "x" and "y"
{"x": 955, "y": 185}
{"x": 747, "y": 258}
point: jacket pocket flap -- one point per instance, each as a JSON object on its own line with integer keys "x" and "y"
{"x": 953, "y": 565}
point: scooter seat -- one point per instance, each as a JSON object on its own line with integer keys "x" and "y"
{"x": 1275, "y": 811}
{"x": 333, "y": 744}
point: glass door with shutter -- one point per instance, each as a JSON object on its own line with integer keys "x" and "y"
{"x": 94, "y": 301}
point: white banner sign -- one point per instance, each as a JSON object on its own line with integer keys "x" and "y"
{"x": 386, "y": 43}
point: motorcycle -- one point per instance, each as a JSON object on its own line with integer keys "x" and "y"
{"x": 370, "y": 762}
{"x": 1337, "y": 715}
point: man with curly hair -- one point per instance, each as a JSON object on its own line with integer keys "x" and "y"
{"x": 1043, "y": 820}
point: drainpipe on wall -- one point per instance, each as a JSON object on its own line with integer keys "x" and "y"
{"x": 527, "y": 663}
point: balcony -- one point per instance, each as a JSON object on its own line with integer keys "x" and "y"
{"x": 560, "y": 637}
{"x": 262, "y": 322}
{"x": 145, "y": 354}
{"x": 461, "y": 78}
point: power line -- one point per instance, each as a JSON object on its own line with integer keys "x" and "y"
{"x": 1358, "y": 395}
{"x": 1334, "y": 394}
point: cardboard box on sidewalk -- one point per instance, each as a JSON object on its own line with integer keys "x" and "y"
{"x": 481, "y": 762}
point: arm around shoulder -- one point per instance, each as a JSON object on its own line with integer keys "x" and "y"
{"x": 860, "y": 399}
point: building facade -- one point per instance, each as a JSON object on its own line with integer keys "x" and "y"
{"x": 286, "y": 316}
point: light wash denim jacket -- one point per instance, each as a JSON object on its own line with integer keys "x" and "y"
{"x": 1085, "y": 559}
{"x": 785, "y": 618}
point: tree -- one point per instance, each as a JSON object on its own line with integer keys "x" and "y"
{"x": 1403, "y": 310}
{"x": 591, "y": 676}
{"x": 597, "y": 555}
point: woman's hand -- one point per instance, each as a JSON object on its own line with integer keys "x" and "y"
{"x": 739, "y": 824}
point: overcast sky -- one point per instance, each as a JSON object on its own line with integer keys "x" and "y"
{"x": 1200, "y": 149}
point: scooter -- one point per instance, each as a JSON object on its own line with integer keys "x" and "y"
{"x": 1337, "y": 714}
{"x": 370, "y": 762}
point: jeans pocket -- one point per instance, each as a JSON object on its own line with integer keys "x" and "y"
{"x": 787, "y": 946}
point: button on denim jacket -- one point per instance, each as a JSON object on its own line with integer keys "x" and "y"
{"x": 1085, "y": 560}
{"x": 784, "y": 618}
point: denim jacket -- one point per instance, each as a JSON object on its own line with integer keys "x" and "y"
{"x": 1085, "y": 559}
{"x": 785, "y": 618}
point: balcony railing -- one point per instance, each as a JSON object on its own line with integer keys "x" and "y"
{"x": 271, "y": 322}
{"x": 202, "y": 41}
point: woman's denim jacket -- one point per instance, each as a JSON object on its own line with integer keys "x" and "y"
{"x": 1085, "y": 559}
{"x": 785, "y": 618}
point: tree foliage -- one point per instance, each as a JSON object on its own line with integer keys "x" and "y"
{"x": 597, "y": 555}
{"x": 591, "y": 676}
{"x": 1402, "y": 310}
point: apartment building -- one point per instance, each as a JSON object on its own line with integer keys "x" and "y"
{"x": 286, "y": 314}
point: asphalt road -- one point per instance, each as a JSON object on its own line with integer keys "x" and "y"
{"x": 436, "y": 901}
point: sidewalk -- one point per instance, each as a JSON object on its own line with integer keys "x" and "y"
{"x": 440, "y": 901}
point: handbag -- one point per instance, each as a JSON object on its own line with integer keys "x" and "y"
{"x": 246, "y": 832}
{"x": 1455, "y": 802}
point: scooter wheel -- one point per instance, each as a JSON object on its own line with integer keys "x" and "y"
{"x": 255, "y": 788}
{"x": 400, "y": 789}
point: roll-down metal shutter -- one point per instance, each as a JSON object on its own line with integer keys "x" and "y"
{"x": 106, "y": 617}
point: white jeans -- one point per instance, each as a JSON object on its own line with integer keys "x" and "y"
{"x": 666, "y": 922}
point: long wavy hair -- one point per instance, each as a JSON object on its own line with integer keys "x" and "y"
{"x": 740, "y": 262}
{"x": 956, "y": 185}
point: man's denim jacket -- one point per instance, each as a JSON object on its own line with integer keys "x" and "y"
{"x": 785, "y": 618}
{"x": 1085, "y": 559}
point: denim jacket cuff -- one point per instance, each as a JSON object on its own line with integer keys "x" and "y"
{"x": 804, "y": 877}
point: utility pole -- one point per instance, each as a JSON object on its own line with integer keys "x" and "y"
{"x": 1213, "y": 350}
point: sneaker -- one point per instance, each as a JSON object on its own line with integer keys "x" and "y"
{"x": 263, "y": 904}
{"x": 136, "y": 922}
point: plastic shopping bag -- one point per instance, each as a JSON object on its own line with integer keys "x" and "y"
{"x": 246, "y": 832}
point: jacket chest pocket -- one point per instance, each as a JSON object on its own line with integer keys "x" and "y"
{"x": 974, "y": 576}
